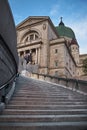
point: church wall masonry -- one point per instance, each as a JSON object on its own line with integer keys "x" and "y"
{"x": 54, "y": 52}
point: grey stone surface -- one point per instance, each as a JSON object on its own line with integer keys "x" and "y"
{"x": 2, "y": 106}
{"x": 7, "y": 27}
{"x": 40, "y": 105}
{"x": 8, "y": 42}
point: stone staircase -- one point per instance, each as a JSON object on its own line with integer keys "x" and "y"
{"x": 38, "y": 105}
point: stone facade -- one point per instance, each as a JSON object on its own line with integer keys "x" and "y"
{"x": 54, "y": 55}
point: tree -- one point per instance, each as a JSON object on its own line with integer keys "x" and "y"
{"x": 85, "y": 66}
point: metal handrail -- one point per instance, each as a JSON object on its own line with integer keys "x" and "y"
{"x": 9, "y": 81}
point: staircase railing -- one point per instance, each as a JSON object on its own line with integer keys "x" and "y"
{"x": 5, "y": 89}
{"x": 73, "y": 84}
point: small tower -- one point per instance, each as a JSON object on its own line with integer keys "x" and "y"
{"x": 74, "y": 47}
{"x": 68, "y": 33}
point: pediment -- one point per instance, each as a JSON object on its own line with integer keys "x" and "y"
{"x": 31, "y": 20}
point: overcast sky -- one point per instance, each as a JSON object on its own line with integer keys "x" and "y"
{"x": 74, "y": 13}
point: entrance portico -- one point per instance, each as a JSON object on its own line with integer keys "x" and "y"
{"x": 35, "y": 53}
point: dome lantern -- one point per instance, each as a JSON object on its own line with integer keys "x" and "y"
{"x": 61, "y": 22}
{"x": 64, "y": 31}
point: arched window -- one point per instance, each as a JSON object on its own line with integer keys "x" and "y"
{"x": 32, "y": 36}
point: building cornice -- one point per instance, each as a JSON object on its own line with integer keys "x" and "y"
{"x": 40, "y": 20}
{"x": 83, "y": 55}
{"x": 57, "y": 41}
{"x": 29, "y": 44}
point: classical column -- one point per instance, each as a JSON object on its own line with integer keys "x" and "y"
{"x": 30, "y": 51}
{"x": 36, "y": 56}
{"x": 39, "y": 55}
{"x": 24, "y": 52}
{"x": 19, "y": 54}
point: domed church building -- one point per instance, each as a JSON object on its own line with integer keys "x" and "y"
{"x": 48, "y": 49}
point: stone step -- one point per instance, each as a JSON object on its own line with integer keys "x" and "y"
{"x": 46, "y": 103}
{"x": 39, "y": 92}
{"x": 47, "y": 91}
{"x": 47, "y": 99}
{"x": 38, "y": 105}
{"x": 43, "y": 95}
{"x": 43, "y": 107}
{"x": 47, "y": 96}
{"x": 44, "y": 126}
{"x": 44, "y": 112}
{"x": 42, "y": 118}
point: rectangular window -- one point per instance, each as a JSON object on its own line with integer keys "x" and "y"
{"x": 56, "y": 51}
{"x": 56, "y": 73}
{"x": 31, "y": 37}
{"x": 56, "y": 63}
{"x": 21, "y": 53}
{"x": 36, "y": 37}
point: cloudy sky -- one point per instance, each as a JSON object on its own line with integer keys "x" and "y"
{"x": 74, "y": 13}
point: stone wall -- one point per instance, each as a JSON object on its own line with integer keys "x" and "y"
{"x": 73, "y": 84}
{"x": 8, "y": 42}
{"x": 7, "y": 28}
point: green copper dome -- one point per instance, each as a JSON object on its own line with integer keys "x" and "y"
{"x": 65, "y": 31}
